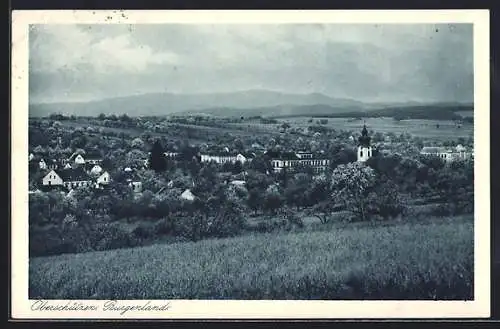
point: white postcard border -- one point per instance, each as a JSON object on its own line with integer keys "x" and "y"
{"x": 21, "y": 306}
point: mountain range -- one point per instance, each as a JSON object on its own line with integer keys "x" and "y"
{"x": 240, "y": 103}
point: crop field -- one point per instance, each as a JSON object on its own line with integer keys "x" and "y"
{"x": 432, "y": 260}
{"x": 422, "y": 128}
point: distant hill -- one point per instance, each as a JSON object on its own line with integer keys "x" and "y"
{"x": 251, "y": 103}
{"x": 168, "y": 103}
{"x": 438, "y": 111}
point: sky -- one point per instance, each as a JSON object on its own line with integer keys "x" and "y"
{"x": 366, "y": 62}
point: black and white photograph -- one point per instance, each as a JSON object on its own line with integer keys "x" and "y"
{"x": 238, "y": 160}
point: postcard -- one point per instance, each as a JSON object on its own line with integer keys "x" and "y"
{"x": 250, "y": 164}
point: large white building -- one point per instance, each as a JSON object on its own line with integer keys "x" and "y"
{"x": 447, "y": 154}
{"x": 222, "y": 158}
{"x": 292, "y": 160}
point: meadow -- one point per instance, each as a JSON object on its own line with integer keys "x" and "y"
{"x": 416, "y": 127}
{"x": 406, "y": 260}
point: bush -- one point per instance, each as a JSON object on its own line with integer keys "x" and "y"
{"x": 144, "y": 231}
{"x": 76, "y": 238}
{"x": 113, "y": 237}
{"x": 164, "y": 226}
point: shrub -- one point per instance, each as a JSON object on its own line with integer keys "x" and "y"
{"x": 143, "y": 231}
{"x": 164, "y": 226}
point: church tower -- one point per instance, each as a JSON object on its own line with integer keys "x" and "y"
{"x": 364, "y": 147}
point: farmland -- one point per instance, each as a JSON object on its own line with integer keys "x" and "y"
{"x": 415, "y": 127}
{"x": 422, "y": 128}
{"x": 431, "y": 260}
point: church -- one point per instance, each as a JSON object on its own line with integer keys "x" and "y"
{"x": 365, "y": 150}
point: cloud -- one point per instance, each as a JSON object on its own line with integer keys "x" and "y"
{"x": 72, "y": 47}
{"x": 366, "y": 62}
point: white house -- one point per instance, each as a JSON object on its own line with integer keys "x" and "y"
{"x": 74, "y": 178}
{"x": 42, "y": 164}
{"x": 225, "y": 158}
{"x": 238, "y": 182}
{"x": 93, "y": 160}
{"x": 136, "y": 186}
{"x": 187, "y": 195}
{"x": 96, "y": 170}
{"x": 77, "y": 159}
{"x": 241, "y": 158}
{"x": 52, "y": 179}
{"x": 104, "y": 179}
{"x": 171, "y": 154}
{"x": 132, "y": 180}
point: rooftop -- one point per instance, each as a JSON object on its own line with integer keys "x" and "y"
{"x": 435, "y": 149}
{"x": 77, "y": 174}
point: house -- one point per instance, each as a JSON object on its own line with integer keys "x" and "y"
{"x": 291, "y": 160}
{"x": 187, "y": 195}
{"x": 42, "y": 164}
{"x": 226, "y": 157}
{"x": 171, "y": 155}
{"x": 53, "y": 164}
{"x": 74, "y": 178}
{"x": 52, "y": 179}
{"x": 238, "y": 182}
{"x": 103, "y": 180}
{"x": 132, "y": 180}
{"x": 77, "y": 159}
{"x": 136, "y": 186}
{"x": 93, "y": 160}
{"x": 95, "y": 170}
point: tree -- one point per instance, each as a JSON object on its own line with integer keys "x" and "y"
{"x": 385, "y": 199}
{"x": 273, "y": 199}
{"x": 351, "y": 184}
{"x": 260, "y": 164}
{"x": 254, "y": 199}
{"x": 285, "y": 126}
{"x": 137, "y": 143}
{"x": 134, "y": 159}
{"x": 295, "y": 192}
{"x": 157, "y": 160}
{"x": 322, "y": 210}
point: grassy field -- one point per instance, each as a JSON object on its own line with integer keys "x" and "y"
{"x": 403, "y": 261}
{"x": 421, "y": 128}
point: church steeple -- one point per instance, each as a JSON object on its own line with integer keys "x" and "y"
{"x": 364, "y": 147}
{"x": 364, "y": 139}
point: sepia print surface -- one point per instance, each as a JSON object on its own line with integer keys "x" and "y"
{"x": 245, "y": 166}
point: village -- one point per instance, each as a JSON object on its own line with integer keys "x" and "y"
{"x": 82, "y": 169}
